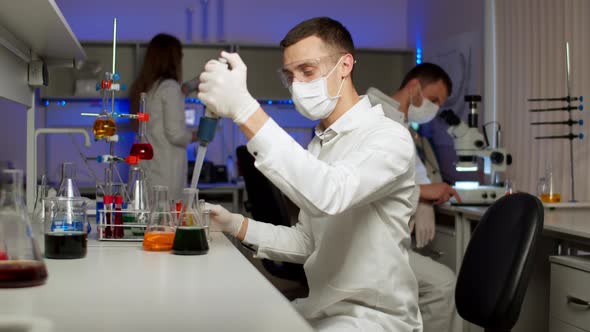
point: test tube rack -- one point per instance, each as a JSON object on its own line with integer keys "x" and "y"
{"x": 134, "y": 223}
{"x": 568, "y": 107}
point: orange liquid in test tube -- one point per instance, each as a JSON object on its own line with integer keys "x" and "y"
{"x": 158, "y": 241}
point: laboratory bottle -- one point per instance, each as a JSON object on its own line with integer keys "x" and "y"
{"x": 550, "y": 192}
{"x": 142, "y": 148}
{"x": 159, "y": 233}
{"x": 21, "y": 263}
{"x": 65, "y": 227}
{"x": 191, "y": 234}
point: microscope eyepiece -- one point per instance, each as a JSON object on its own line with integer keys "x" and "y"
{"x": 450, "y": 117}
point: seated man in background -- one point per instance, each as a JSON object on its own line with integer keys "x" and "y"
{"x": 355, "y": 189}
{"x": 424, "y": 89}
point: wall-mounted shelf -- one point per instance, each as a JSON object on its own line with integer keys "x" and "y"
{"x": 41, "y": 26}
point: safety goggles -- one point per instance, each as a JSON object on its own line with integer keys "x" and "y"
{"x": 306, "y": 70}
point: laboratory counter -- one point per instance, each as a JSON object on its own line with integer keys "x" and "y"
{"x": 120, "y": 287}
{"x": 565, "y": 220}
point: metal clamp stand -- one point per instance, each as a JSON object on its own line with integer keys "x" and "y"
{"x": 569, "y": 99}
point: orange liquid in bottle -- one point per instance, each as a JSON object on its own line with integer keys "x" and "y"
{"x": 550, "y": 198}
{"x": 158, "y": 241}
{"x": 104, "y": 128}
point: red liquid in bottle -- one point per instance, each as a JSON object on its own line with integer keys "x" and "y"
{"x": 22, "y": 273}
{"x": 143, "y": 151}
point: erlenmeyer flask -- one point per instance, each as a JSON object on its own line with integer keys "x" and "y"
{"x": 191, "y": 235}
{"x": 159, "y": 234}
{"x": 21, "y": 263}
{"x": 142, "y": 148}
{"x": 65, "y": 227}
{"x": 68, "y": 186}
{"x": 139, "y": 201}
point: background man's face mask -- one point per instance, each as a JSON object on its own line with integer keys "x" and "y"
{"x": 312, "y": 100}
{"x": 423, "y": 113}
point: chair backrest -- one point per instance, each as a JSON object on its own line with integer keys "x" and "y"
{"x": 498, "y": 262}
{"x": 266, "y": 202}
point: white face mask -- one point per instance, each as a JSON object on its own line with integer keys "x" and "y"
{"x": 311, "y": 99}
{"x": 423, "y": 113}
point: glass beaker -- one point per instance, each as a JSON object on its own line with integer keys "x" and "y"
{"x": 21, "y": 263}
{"x": 65, "y": 227}
{"x": 191, "y": 234}
{"x": 549, "y": 191}
{"x": 142, "y": 148}
{"x": 67, "y": 185}
{"x": 159, "y": 233}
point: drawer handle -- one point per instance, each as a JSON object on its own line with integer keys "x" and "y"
{"x": 577, "y": 301}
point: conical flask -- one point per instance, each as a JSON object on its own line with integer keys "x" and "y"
{"x": 68, "y": 186}
{"x": 21, "y": 263}
{"x": 142, "y": 148}
{"x": 191, "y": 234}
{"x": 137, "y": 185}
{"x": 159, "y": 234}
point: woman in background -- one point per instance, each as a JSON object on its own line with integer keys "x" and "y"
{"x": 166, "y": 130}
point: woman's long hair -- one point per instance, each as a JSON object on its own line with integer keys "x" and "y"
{"x": 163, "y": 60}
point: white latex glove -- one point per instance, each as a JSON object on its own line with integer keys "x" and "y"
{"x": 422, "y": 222}
{"x": 224, "y": 89}
{"x": 224, "y": 220}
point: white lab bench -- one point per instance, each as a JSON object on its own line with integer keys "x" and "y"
{"x": 566, "y": 230}
{"x": 120, "y": 287}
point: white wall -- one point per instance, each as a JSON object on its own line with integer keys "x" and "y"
{"x": 373, "y": 23}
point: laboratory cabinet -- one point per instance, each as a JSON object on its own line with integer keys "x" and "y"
{"x": 380, "y": 68}
{"x": 570, "y": 294}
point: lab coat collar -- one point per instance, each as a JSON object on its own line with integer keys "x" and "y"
{"x": 350, "y": 120}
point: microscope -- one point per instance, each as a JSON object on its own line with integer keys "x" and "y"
{"x": 471, "y": 145}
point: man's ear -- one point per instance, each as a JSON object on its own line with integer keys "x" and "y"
{"x": 347, "y": 65}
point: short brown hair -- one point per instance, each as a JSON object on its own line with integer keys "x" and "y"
{"x": 428, "y": 73}
{"x": 330, "y": 31}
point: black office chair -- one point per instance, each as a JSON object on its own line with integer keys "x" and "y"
{"x": 498, "y": 263}
{"x": 266, "y": 203}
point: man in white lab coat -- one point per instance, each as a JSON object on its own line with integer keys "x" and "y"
{"x": 355, "y": 189}
{"x": 424, "y": 89}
